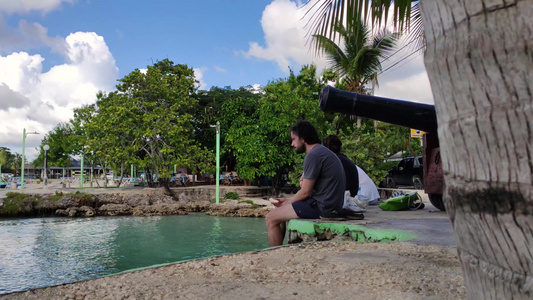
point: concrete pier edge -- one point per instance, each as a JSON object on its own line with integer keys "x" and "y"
{"x": 314, "y": 230}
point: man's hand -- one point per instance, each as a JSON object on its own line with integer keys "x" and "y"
{"x": 277, "y": 202}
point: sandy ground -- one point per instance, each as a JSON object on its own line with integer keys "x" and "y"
{"x": 322, "y": 270}
{"x": 325, "y": 270}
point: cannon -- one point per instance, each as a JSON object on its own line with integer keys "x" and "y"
{"x": 399, "y": 112}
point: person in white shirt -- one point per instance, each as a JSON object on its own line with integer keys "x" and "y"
{"x": 367, "y": 188}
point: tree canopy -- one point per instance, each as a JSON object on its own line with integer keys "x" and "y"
{"x": 156, "y": 119}
{"x": 258, "y": 129}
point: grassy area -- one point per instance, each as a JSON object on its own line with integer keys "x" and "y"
{"x": 232, "y": 196}
{"x": 254, "y": 205}
{"x": 16, "y": 203}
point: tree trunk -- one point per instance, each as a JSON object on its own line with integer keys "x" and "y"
{"x": 165, "y": 182}
{"x": 479, "y": 59}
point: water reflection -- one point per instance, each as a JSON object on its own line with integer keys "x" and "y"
{"x": 213, "y": 244}
{"x": 46, "y": 251}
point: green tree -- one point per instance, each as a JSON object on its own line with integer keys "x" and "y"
{"x": 367, "y": 149}
{"x": 59, "y": 139}
{"x": 258, "y": 132}
{"x": 483, "y": 102}
{"x": 12, "y": 161}
{"x": 156, "y": 112}
{"x": 16, "y": 162}
{"x": 7, "y": 160}
{"x": 106, "y": 132}
{"x": 209, "y": 111}
{"x": 327, "y": 13}
{"x": 358, "y": 60}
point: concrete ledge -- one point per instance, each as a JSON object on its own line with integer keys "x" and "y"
{"x": 317, "y": 230}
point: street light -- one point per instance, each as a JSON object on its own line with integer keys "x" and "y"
{"x": 24, "y": 134}
{"x": 46, "y": 148}
{"x": 217, "y": 193}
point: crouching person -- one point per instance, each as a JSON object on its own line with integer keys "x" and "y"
{"x": 322, "y": 189}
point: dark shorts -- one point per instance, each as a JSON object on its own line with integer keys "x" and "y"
{"x": 306, "y": 209}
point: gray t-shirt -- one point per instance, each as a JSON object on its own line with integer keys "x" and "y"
{"x": 326, "y": 169}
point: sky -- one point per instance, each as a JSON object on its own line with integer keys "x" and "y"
{"x": 55, "y": 55}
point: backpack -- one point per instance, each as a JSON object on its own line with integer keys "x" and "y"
{"x": 403, "y": 201}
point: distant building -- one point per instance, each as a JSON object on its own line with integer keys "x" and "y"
{"x": 57, "y": 172}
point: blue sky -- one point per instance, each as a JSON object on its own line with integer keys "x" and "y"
{"x": 201, "y": 34}
{"x": 56, "y": 54}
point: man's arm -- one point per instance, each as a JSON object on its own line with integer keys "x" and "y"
{"x": 306, "y": 188}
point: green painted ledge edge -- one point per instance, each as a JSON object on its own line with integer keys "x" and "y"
{"x": 358, "y": 233}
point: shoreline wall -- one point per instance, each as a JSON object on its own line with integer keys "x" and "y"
{"x": 142, "y": 203}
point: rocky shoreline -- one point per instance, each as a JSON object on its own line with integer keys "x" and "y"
{"x": 141, "y": 202}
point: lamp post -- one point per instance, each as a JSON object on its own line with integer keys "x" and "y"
{"x": 217, "y": 193}
{"x": 24, "y": 134}
{"x": 82, "y": 169}
{"x": 46, "y": 148}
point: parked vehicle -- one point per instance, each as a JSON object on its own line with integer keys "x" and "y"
{"x": 408, "y": 172}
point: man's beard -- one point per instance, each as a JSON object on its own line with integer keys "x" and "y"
{"x": 300, "y": 149}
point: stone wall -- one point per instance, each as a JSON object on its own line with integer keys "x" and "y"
{"x": 141, "y": 203}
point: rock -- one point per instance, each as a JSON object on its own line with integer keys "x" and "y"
{"x": 158, "y": 210}
{"x": 137, "y": 200}
{"x": 233, "y": 210}
{"x": 61, "y": 212}
{"x": 144, "y": 203}
{"x": 65, "y": 201}
{"x": 114, "y": 209}
{"x": 87, "y": 211}
{"x": 72, "y": 211}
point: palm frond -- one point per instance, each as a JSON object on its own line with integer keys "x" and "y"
{"x": 334, "y": 54}
{"x": 415, "y": 33}
{"x": 326, "y": 13}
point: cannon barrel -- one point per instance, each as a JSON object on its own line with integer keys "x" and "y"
{"x": 399, "y": 112}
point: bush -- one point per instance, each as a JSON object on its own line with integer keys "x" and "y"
{"x": 57, "y": 196}
{"x": 232, "y": 196}
{"x": 16, "y": 203}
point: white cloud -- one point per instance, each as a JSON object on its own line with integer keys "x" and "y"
{"x": 36, "y": 35}
{"x": 413, "y": 88}
{"x": 20, "y": 71}
{"x": 285, "y": 41}
{"x": 51, "y": 96}
{"x": 255, "y": 88}
{"x": 28, "y": 36}
{"x": 404, "y": 76}
{"x": 24, "y": 6}
{"x": 220, "y": 69}
{"x": 286, "y": 44}
{"x": 11, "y": 98}
{"x": 199, "y": 74}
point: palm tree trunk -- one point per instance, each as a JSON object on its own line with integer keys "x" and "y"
{"x": 479, "y": 59}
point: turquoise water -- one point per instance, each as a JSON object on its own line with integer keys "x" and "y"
{"x": 48, "y": 251}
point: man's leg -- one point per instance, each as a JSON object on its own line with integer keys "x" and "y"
{"x": 275, "y": 223}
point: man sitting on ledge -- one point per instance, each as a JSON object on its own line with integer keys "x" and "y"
{"x": 321, "y": 193}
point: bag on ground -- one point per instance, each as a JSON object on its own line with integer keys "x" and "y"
{"x": 400, "y": 202}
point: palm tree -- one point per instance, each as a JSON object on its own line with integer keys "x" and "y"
{"x": 359, "y": 60}
{"x": 479, "y": 60}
